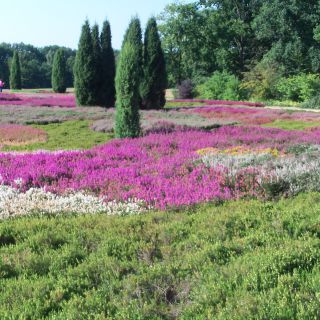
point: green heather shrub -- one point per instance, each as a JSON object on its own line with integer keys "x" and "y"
{"x": 59, "y": 72}
{"x": 298, "y": 88}
{"x": 220, "y": 86}
{"x": 237, "y": 260}
{"x": 15, "y": 72}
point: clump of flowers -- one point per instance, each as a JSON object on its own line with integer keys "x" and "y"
{"x": 38, "y": 100}
{"x": 238, "y": 150}
{"x": 251, "y": 116}
{"x": 15, "y": 203}
{"x": 15, "y": 135}
{"x": 163, "y": 170}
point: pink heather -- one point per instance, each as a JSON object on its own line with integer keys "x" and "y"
{"x": 158, "y": 168}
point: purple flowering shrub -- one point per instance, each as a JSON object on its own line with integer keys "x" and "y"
{"x": 161, "y": 169}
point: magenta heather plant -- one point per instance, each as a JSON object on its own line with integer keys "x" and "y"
{"x": 161, "y": 169}
{"x": 251, "y": 116}
{"x": 38, "y": 100}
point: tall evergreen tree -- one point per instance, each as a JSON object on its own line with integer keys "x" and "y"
{"x": 134, "y": 36}
{"x": 128, "y": 97}
{"x": 154, "y": 80}
{"x": 84, "y": 69}
{"x": 108, "y": 67}
{"x": 96, "y": 45}
{"x": 15, "y": 72}
{"x": 59, "y": 72}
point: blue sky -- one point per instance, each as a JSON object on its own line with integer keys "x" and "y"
{"x": 47, "y": 22}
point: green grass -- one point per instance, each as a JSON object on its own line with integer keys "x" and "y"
{"x": 67, "y": 135}
{"x": 282, "y": 103}
{"x": 170, "y": 104}
{"x": 239, "y": 260}
{"x": 292, "y": 124}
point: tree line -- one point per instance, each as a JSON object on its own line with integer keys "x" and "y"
{"x": 35, "y": 63}
{"x": 256, "y": 41}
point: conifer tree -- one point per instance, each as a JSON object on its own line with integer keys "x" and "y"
{"x": 59, "y": 72}
{"x": 134, "y": 36}
{"x": 98, "y": 75}
{"x": 15, "y": 72}
{"x": 128, "y": 97}
{"x": 154, "y": 78}
{"x": 84, "y": 69}
{"x": 108, "y": 66}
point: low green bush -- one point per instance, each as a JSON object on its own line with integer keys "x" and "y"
{"x": 312, "y": 103}
{"x": 260, "y": 81}
{"x": 298, "y": 88}
{"x": 237, "y": 260}
{"x": 221, "y": 86}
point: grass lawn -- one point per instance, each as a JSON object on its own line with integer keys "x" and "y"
{"x": 171, "y": 104}
{"x": 67, "y": 135}
{"x": 292, "y": 124}
{"x": 239, "y": 260}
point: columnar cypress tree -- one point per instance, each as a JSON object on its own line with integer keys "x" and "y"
{"x": 134, "y": 36}
{"x": 127, "y": 88}
{"x": 154, "y": 80}
{"x": 96, "y": 45}
{"x": 84, "y": 69}
{"x": 15, "y": 72}
{"x": 59, "y": 72}
{"x": 108, "y": 67}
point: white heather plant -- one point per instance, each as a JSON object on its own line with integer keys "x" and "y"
{"x": 298, "y": 173}
{"x": 15, "y": 203}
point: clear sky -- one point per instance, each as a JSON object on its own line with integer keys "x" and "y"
{"x": 47, "y": 22}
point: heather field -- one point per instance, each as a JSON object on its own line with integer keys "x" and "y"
{"x": 212, "y": 213}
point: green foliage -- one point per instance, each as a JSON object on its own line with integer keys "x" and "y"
{"x": 154, "y": 79}
{"x": 68, "y": 135}
{"x": 108, "y": 67}
{"x": 239, "y": 260}
{"x": 15, "y": 72}
{"x": 298, "y": 88}
{"x": 313, "y": 103}
{"x": 127, "y": 87}
{"x": 134, "y": 36}
{"x": 59, "y": 74}
{"x": 221, "y": 86}
{"x": 85, "y": 69}
{"x": 287, "y": 31}
{"x": 36, "y": 64}
{"x": 231, "y": 35}
{"x": 186, "y": 43}
{"x": 98, "y": 74}
{"x": 260, "y": 81}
